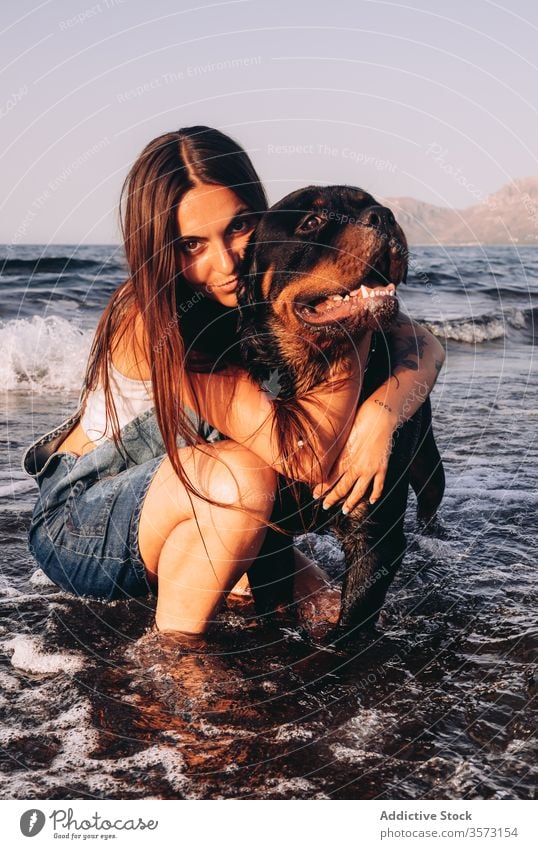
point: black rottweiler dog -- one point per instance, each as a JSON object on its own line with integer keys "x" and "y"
{"x": 322, "y": 268}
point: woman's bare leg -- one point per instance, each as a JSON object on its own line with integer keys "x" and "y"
{"x": 309, "y": 578}
{"x": 316, "y": 600}
{"x": 242, "y": 588}
{"x": 198, "y": 551}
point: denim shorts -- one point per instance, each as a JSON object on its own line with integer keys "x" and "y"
{"x": 84, "y": 527}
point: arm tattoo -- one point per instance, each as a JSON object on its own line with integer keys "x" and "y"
{"x": 421, "y": 345}
{"x": 407, "y": 349}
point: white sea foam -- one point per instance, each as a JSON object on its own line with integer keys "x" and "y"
{"x": 441, "y": 549}
{"x": 358, "y": 734}
{"x": 39, "y": 579}
{"x": 286, "y": 733}
{"x": 29, "y": 657}
{"x": 467, "y": 330}
{"x": 293, "y": 787}
{"x": 7, "y": 590}
{"x": 75, "y": 760}
{"x": 8, "y": 682}
{"x": 516, "y": 318}
{"x": 40, "y": 354}
{"x": 106, "y": 775}
{"x": 489, "y": 495}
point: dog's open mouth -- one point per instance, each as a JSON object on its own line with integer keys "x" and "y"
{"x": 337, "y": 306}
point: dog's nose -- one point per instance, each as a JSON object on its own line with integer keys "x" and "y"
{"x": 379, "y": 217}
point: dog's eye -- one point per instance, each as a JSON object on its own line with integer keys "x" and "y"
{"x": 310, "y": 223}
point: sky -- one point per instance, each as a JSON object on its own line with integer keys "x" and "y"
{"x": 431, "y": 100}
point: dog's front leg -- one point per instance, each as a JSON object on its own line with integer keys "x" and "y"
{"x": 372, "y": 537}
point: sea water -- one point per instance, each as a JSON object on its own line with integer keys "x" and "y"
{"x": 438, "y": 703}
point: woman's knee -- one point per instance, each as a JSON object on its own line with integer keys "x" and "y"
{"x": 230, "y": 475}
{"x": 241, "y": 478}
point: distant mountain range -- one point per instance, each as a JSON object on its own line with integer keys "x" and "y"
{"x": 509, "y": 216}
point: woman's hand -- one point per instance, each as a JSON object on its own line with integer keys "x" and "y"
{"x": 362, "y": 463}
{"x": 417, "y": 358}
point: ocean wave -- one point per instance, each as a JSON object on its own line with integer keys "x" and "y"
{"x": 53, "y": 265}
{"x": 9, "y": 490}
{"x": 43, "y": 354}
{"x": 421, "y": 275}
{"x": 40, "y": 354}
{"x": 485, "y": 328}
{"x": 514, "y": 291}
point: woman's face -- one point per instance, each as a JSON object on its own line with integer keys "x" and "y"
{"x": 214, "y": 228}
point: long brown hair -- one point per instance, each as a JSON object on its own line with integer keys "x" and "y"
{"x": 164, "y": 172}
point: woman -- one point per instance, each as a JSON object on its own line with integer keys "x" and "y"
{"x": 131, "y": 497}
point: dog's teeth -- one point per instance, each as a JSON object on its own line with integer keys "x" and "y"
{"x": 336, "y": 297}
{"x": 346, "y": 298}
{"x": 354, "y": 294}
{"x": 364, "y": 291}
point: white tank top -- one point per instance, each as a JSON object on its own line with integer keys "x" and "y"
{"x": 131, "y": 397}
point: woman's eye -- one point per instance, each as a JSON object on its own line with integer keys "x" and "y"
{"x": 242, "y": 225}
{"x": 309, "y": 224}
{"x": 190, "y": 246}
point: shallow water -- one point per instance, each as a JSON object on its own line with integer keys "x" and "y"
{"x": 440, "y": 703}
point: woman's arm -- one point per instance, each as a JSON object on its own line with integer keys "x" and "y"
{"x": 234, "y": 404}
{"x": 417, "y": 358}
